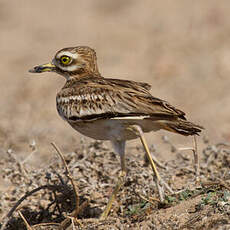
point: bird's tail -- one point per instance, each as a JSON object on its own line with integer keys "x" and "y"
{"x": 183, "y": 127}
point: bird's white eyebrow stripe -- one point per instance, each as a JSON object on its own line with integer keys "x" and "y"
{"x": 67, "y": 53}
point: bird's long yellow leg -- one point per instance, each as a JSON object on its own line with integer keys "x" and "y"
{"x": 159, "y": 182}
{"x": 119, "y": 147}
{"x": 148, "y": 154}
{"x": 118, "y": 186}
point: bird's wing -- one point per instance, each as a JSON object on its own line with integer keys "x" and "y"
{"x": 129, "y": 84}
{"x": 99, "y": 98}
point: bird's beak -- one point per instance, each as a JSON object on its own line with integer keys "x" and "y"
{"x": 49, "y": 67}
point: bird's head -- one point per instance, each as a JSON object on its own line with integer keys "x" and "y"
{"x": 72, "y": 61}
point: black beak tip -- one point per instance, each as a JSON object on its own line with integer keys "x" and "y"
{"x": 31, "y": 71}
{"x": 36, "y": 69}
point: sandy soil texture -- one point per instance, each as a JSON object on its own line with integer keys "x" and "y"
{"x": 181, "y": 48}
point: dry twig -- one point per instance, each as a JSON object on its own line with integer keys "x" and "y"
{"x": 28, "y": 227}
{"x": 74, "y": 214}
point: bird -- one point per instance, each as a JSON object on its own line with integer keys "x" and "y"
{"x": 111, "y": 109}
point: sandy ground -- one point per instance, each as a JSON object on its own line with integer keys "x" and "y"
{"x": 181, "y": 48}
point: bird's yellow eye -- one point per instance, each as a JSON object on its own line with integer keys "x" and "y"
{"x": 65, "y": 60}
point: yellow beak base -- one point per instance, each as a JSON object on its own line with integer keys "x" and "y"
{"x": 48, "y": 67}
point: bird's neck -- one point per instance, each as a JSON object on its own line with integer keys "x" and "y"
{"x": 79, "y": 76}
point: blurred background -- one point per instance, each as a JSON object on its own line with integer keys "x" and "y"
{"x": 181, "y": 48}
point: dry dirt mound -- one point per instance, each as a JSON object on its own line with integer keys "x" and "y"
{"x": 46, "y": 195}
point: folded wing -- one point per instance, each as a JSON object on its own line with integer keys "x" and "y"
{"x": 100, "y": 98}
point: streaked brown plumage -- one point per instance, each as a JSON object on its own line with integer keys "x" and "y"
{"x": 104, "y": 108}
{"x": 92, "y": 99}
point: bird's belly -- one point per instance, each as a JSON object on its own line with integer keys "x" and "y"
{"x": 113, "y": 129}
